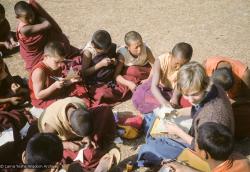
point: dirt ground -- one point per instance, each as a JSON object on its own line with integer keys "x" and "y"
{"x": 214, "y": 27}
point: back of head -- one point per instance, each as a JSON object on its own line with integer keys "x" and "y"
{"x": 132, "y": 36}
{"x": 80, "y": 121}
{"x": 223, "y": 77}
{"x": 183, "y": 50}
{"x": 54, "y": 49}
{"x": 2, "y": 10}
{"x": 216, "y": 139}
{"x": 192, "y": 77}
{"x": 44, "y": 149}
{"x": 22, "y": 7}
{"x": 101, "y": 40}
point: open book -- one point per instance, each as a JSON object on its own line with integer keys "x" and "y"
{"x": 161, "y": 121}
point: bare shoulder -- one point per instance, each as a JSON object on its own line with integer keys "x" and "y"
{"x": 38, "y": 74}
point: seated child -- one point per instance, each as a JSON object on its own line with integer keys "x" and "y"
{"x": 100, "y": 68}
{"x": 46, "y": 83}
{"x": 209, "y": 102}
{"x": 232, "y": 75}
{"x": 44, "y": 150}
{"x": 34, "y": 30}
{"x": 7, "y": 41}
{"x": 93, "y": 130}
{"x": 13, "y": 91}
{"x": 137, "y": 59}
{"x": 161, "y": 90}
{"x": 214, "y": 145}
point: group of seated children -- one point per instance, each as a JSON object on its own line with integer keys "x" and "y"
{"x": 77, "y": 88}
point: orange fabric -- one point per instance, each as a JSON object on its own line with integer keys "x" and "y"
{"x": 168, "y": 76}
{"x": 235, "y": 163}
{"x": 238, "y": 69}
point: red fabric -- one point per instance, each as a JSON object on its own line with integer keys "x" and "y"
{"x": 136, "y": 73}
{"x": 55, "y": 33}
{"x": 49, "y": 81}
{"x": 77, "y": 89}
{"x": 104, "y": 130}
{"x": 131, "y": 120}
{"x": 32, "y": 47}
{"x": 107, "y": 95}
{"x": 12, "y": 151}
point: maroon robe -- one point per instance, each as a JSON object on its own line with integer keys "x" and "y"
{"x": 136, "y": 73}
{"x": 32, "y": 47}
{"x": 77, "y": 90}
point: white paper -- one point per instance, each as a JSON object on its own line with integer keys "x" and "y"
{"x": 162, "y": 111}
{"x": 24, "y": 130}
{"x": 6, "y": 136}
{"x": 79, "y": 156}
{"x": 36, "y": 112}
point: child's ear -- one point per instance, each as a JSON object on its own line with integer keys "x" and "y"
{"x": 23, "y": 157}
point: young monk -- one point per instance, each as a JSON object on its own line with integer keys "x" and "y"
{"x": 34, "y": 30}
{"x": 137, "y": 59}
{"x": 42, "y": 152}
{"x": 100, "y": 67}
{"x": 214, "y": 145}
{"x": 93, "y": 130}
{"x": 232, "y": 75}
{"x": 46, "y": 81}
{"x": 13, "y": 91}
{"x": 209, "y": 101}
{"x": 161, "y": 90}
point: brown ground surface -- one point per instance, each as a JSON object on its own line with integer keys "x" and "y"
{"x": 215, "y": 27}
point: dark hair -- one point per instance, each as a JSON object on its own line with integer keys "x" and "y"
{"x": 2, "y": 10}
{"x": 54, "y": 49}
{"x": 224, "y": 78}
{"x": 185, "y": 49}
{"x": 101, "y": 39}
{"x": 132, "y": 36}
{"x": 80, "y": 121}
{"x": 44, "y": 149}
{"x": 22, "y": 6}
{"x": 216, "y": 139}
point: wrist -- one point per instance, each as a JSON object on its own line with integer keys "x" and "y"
{"x": 54, "y": 86}
{"x": 8, "y": 100}
{"x": 98, "y": 65}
